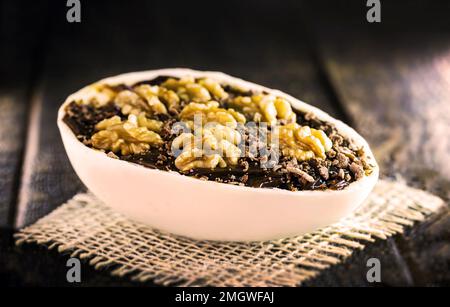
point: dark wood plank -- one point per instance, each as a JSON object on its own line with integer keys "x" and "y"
{"x": 394, "y": 84}
{"x": 36, "y": 266}
{"x": 18, "y": 50}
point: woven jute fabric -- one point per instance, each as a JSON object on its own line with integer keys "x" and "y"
{"x": 90, "y": 230}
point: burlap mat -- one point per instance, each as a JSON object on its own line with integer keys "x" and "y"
{"x": 90, "y": 230}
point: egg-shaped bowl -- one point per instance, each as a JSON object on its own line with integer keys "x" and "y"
{"x": 208, "y": 210}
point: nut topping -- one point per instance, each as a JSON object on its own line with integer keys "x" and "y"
{"x": 211, "y": 146}
{"x": 303, "y": 143}
{"x": 265, "y": 108}
{"x": 211, "y": 112}
{"x": 215, "y": 131}
{"x": 126, "y": 137}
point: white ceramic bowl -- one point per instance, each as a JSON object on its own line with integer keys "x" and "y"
{"x": 206, "y": 209}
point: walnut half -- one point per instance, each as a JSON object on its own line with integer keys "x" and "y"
{"x": 189, "y": 90}
{"x": 209, "y": 147}
{"x": 211, "y": 112}
{"x": 265, "y": 108}
{"x": 302, "y": 142}
{"x": 126, "y": 137}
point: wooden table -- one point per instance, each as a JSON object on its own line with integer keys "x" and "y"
{"x": 391, "y": 81}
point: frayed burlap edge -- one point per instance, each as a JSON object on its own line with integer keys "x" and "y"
{"x": 90, "y": 230}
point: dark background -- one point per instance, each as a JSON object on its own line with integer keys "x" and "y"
{"x": 390, "y": 80}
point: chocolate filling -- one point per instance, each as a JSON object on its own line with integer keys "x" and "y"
{"x": 343, "y": 164}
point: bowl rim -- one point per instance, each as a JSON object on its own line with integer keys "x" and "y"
{"x": 134, "y": 77}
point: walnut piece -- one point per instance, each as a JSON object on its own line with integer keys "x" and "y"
{"x": 150, "y": 94}
{"x": 194, "y": 158}
{"x": 150, "y": 124}
{"x": 170, "y": 98}
{"x": 214, "y": 88}
{"x": 126, "y": 137}
{"x": 130, "y": 103}
{"x": 265, "y": 108}
{"x": 145, "y": 98}
{"x": 99, "y": 94}
{"x": 189, "y": 90}
{"x": 210, "y": 112}
{"x": 302, "y": 142}
{"x": 210, "y": 146}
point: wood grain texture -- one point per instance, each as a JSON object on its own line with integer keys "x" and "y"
{"x": 394, "y": 84}
{"x": 400, "y": 101}
{"x": 18, "y": 47}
